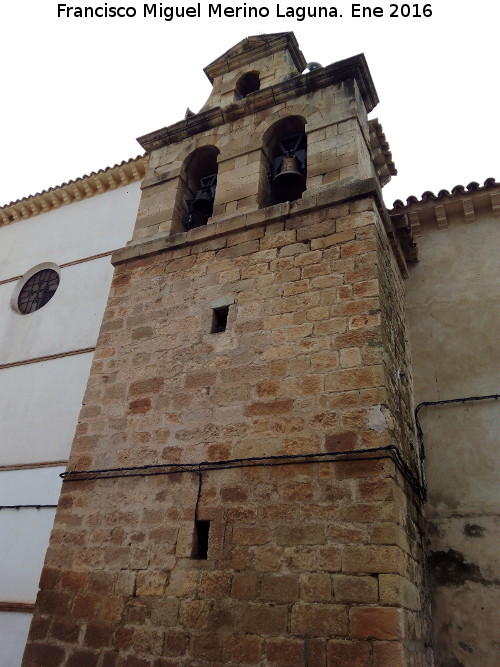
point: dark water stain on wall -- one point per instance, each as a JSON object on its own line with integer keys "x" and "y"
{"x": 449, "y": 568}
{"x": 473, "y": 530}
{"x": 466, "y": 647}
{"x": 450, "y": 662}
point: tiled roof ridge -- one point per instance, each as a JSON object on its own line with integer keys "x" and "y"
{"x": 83, "y": 187}
{"x": 464, "y": 200}
{"x": 429, "y": 196}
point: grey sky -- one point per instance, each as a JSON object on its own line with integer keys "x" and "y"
{"x": 76, "y": 92}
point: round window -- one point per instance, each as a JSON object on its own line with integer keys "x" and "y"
{"x": 37, "y": 291}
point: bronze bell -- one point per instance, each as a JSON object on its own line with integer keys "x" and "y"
{"x": 290, "y": 182}
{"x": 203, "y": 204}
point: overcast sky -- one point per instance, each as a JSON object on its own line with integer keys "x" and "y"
{"x": 77, "y": 92}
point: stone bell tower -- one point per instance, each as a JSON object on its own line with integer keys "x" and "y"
{"x": 244, "y": 485}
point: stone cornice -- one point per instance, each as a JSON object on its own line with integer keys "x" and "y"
{"x": 462, "y": 201}
{"x": 85, "y": 187}
{"x": 382, "y": 156}
{"x": 251, "y": 49}
{"x": 329, "y": 195}
{"x": 350, "y": 68}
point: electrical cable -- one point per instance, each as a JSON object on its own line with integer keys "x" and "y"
{"x": 420, "y": 432}
{"x": 375, "y": 453}
{"x": 24, "y": 507}
{"x": 389, "y": 451}
{"x": 198, "y": 495}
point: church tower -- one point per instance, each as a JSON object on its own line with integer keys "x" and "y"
{"x": 245, "y": 485}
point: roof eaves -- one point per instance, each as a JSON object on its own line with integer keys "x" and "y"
{"x": 89, "y": 185}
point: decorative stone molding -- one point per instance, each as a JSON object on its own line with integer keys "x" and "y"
{"x": 382, "y": 156}
{"x": 85, "y": 187}
{"x": 48, "y": 357}
{"x": 462, "y": 201}
{"x": 355, "y": 68}
{"x": 82, "y": 260}
{"x": 400, "y": 234}
{"x": 251, "y": 48}
{"x": 442, "y": 220}
{"x": 18, "y": 607}
{"x": 33, "y": 466}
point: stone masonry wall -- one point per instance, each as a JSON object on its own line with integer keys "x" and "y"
{"x": 395, "y": 348}
{"x": 337, "y": 149}
{"x": 399, "y": 414}
{"x": 311, "y": 563}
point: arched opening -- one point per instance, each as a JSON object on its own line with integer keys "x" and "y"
{"x": 284, "y": 161}
{"x": 198, "y": 182}
{"x": 246, "y": 84}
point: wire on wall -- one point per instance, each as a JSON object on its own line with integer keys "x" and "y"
{"x": 389, "y": 451}
{"x": 420, "y": 432}
{"x": 27, "y": 507}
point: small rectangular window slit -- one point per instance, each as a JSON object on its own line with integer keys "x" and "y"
{"x": 219, "y": 319}
{"x": 200, "y": 540}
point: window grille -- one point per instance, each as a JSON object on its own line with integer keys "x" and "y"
{"x": 38, "y": 291}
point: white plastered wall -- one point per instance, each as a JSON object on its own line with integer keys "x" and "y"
{"x": 24, "y": 539}
{"x": 82, "y": 229}
{"x": 453, "y": 309}
{"x": 41, "y": 401}
{"x": 69, "y": 321}
{"x": 39, "y": 409}
{"x": 454, "y": 315}
{"x": 14, "y": 630}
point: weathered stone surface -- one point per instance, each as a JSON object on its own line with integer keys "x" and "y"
{"x": 376, "y": 622}
{"x": 353, "y": 653}
{"x": 260, "y": 557}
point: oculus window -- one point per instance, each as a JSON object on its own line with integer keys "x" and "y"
{"x": 35, "y": 290}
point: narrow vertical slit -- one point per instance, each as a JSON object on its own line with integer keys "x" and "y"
{"x": 219, "y": 319}
{"x": 200, "y": 540}
{"x": 201, "y": 529}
